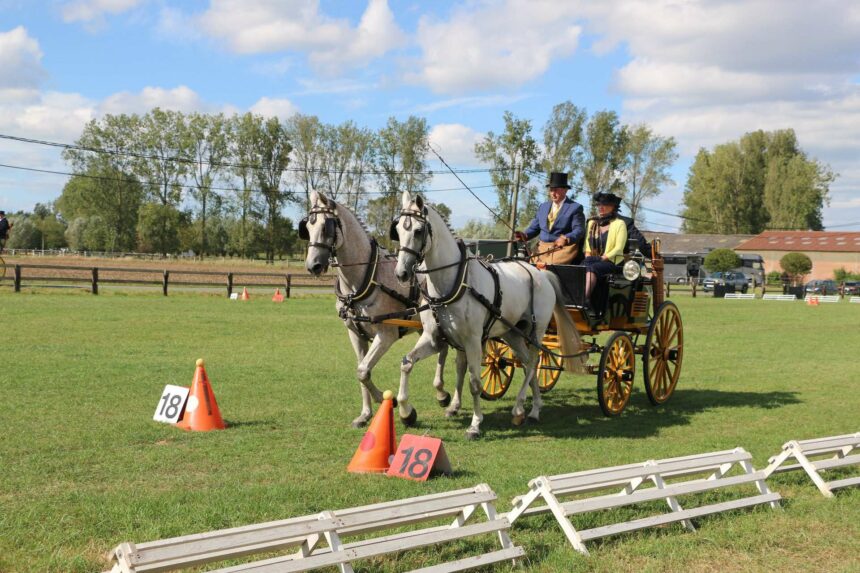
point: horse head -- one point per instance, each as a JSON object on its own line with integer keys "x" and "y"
{"x": 412, "y": 229}
{"x": 320, "y": 228}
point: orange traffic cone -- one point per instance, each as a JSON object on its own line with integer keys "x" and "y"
{"x": 245, "y": 295}
{"x": 379, "y": 442}
{"x": 812, "y": 301}
{"x": 278, "y": 297}
{"x": 201, "y": 410}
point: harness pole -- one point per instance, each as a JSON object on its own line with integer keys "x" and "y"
{"x": 513, "y": 224}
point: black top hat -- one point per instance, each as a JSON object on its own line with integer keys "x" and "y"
{"x": 2, "y": 212}
{"x": 607, "y": 199}
{"x": 557, "y": 180}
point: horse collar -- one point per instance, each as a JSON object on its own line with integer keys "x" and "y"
{"x": 367, "y": 283}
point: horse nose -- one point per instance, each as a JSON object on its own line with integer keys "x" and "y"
{"x": 401, "y": 275}
{"x": 316, "y": 269}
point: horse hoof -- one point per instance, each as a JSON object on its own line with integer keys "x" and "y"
{"x": 518, "y": 420}
{"x": 450, "y": 413}
{"x": 472, "y": 435}
{"x": 394, "y": 402}
{"x": 409, "y": 421}
{"x": 359, "y": 423}
{"x": 445, "y": 402}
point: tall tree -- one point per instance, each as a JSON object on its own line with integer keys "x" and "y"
{"x": 403, "y": 148}
{"x": 505, "y": 152}
{"x": 164, "y": 163}
{"x": 207, "y": 143}
{"x": 272, "y": 148}
{"x": 647, "y": 164}
{"x": 243, "y": 168}
{"x": 107, "y": 187}
{"x": 764, "y": 180}
{"x": 306, "y": 133}
{"x": 604, "y": 154}
{"x": 562, "y": 140}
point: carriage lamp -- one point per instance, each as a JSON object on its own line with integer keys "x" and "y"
{"x": 631, "y": 270}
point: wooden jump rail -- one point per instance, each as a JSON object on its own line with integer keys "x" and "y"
{"x": 817, "y": 455}
{"x": 304, "y": 534}
{"x": 94, "y": 276}
{"x": 629, "y": 478}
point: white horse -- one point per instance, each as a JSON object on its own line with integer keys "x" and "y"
{"x": 472, "y": 301}
{"x": 365, "y": 287}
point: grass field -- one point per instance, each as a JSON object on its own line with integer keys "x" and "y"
{"x": 83, "y": 467}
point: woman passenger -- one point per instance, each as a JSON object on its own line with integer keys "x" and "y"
{"x": 605, "y": 238}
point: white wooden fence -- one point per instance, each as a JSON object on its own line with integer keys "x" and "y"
{"x": 816, "y": 455}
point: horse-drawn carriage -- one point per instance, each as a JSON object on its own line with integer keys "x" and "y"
{"x": 630, "y": 306}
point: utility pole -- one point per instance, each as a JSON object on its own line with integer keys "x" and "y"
{"x": 513, "y": 221}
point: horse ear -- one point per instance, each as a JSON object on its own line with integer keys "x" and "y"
{"x": 405, "y": 199}
{"x": 419, "y": 202}
{"x": 323, "y": 199}
{"x": 314, "y": 197}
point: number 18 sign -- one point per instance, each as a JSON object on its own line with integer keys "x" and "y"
{"x": 418, "y": 456}
{"x": 171, "y": 404}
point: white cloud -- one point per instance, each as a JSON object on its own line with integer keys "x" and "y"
{"x": 455, "y": 142}
{"x": 491, "y": 45}
{"x": 20, "y": 60}
{"x": 258, "y": 26}
{"x": 274, "y": 107}
{"x": 180, "y": 98}
{"x": 94, "y": 11}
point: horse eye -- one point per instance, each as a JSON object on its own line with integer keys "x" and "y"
{"x": 419, "y": 231}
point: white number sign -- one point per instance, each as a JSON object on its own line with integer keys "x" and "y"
{"x": 171, "y": 403}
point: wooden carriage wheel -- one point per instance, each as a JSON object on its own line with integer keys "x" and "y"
{"x": 549, "y": 371}
{"x": 497, "y": 370}
{"x": 664, "y": 352}
{"x": 615, "y": 374}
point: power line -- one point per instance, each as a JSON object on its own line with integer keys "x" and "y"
{"x": 186, "y": 160}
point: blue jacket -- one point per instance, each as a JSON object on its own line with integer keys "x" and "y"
{"x": 570, "y": 221}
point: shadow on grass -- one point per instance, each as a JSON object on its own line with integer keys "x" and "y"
{"x": 578, "y": 414}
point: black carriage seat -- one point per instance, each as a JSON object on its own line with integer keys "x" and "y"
{"x": 572, "y": 278}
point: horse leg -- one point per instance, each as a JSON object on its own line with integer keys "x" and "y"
{"x": 443, "y": 397}
{"x": 458, "y": 390}
{"x": 529, "y": 358}
{"x": 385, "y": 337}
{"x": 423, "y": 348}
{"x": 359, "y": 346}
{"x": 474, "y": 351}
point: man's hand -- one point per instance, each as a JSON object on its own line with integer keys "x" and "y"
{"x": 561, "y": 242}
{"x": 520, "y": 236}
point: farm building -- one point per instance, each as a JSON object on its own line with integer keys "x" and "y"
{"x": 699, "y": 243}
{"x": 828, "y": 250}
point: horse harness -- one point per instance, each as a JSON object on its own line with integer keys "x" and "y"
{"x": 368, "y": 285}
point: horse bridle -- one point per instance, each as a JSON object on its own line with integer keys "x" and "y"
{"x": 421, "y": 215}
{"x": 331, "y": 225}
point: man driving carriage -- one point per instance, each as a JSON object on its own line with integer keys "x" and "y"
{"x": 560, "y": 222}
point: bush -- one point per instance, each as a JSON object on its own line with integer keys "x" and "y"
{"x": 797, "y": 265}
{"x": 774, "y": 277}
{"x": 722, "y": 260}
{"x": 842, "y": 274}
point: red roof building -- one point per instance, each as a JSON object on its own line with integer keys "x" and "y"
{"x": 829, "y": 250}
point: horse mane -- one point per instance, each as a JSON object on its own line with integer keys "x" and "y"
{"x": 444, "y": 220}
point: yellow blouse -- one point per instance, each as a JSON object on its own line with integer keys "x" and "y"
{"x": 615, "y": 240}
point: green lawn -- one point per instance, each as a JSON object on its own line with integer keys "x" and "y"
{"x": 83, "y": 467}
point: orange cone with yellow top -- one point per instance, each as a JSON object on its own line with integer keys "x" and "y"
{"x": 379, "y": 442}
{"x": 201, "y": 410}
{"x": 278, "y": 297}
{"x": 245, "y": 295}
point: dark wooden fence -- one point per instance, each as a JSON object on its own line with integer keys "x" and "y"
{"x": 29, "y": 275}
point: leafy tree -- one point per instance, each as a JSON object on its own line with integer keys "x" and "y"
{"x": 306, "y": 134}
{"x": 272, "y": 149}
{"x": 402, "y": 152}
{"x": 243, "y": 165}
{"x": 378, "y": 218}
{"x": 207, "y": 143}
{"x": 443, "y": 210}
{"x": 604, "y": 155}
{"x": 721, "y": 260}
{"x": 477, "y": 229}
{"x": 646, "y": 172}
{"x": 764, "y": 180}
{"x": 797, "y": 265}
{"x": 563, "y": 139}
{"x": 159, "y": 228}
{"x": 515, "y": 147}
{"x": 25, "y": 234}
{"x": 164, "y": 162}
{"x": 347, "y": 155}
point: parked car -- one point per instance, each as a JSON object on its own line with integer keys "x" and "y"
{"x": 823, "y": 287}
{"x": 731, "y": 278}
{"x": 852, "y": 288}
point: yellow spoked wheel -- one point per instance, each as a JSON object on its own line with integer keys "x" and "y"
{"x": 2, "y": 268}
{"x": 615, "y": 375}
{"x": 497, "y": 370}
{"x": 549, "y": 371}
{"x": 664, "y": 352}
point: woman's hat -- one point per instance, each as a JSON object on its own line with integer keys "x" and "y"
{"x": 557, "y": 180}
{"x": 607, "y": 199}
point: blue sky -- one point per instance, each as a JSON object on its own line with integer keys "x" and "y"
{"x": 702, "y": 72}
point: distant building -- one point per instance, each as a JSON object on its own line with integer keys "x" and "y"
{"x": 679, "y": 243}
{"x": 828, "y": 250}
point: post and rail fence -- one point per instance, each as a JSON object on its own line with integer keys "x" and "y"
{"x": 29, "y": 275}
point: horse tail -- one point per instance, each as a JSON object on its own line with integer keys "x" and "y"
{"x": 568, "y": 336}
